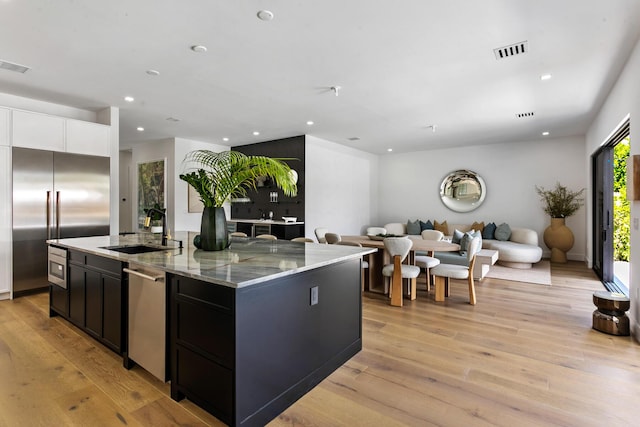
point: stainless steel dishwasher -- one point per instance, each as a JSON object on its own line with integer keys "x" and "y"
{"x": 147, "y": 319}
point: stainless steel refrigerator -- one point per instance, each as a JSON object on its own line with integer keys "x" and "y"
{"x": 55, "y": 195}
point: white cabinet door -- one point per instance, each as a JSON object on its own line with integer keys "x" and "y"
{"x": 6, "y": 196}
{"x": 40, "y": 131}
{"x": 88, "y": 138}
{"x": 4, "y": 126}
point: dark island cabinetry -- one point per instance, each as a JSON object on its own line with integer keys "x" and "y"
{"x": 246, "y": 354}
{"x": 96, "y": 292}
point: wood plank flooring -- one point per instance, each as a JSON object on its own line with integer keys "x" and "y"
{"x": 525, "y": 355}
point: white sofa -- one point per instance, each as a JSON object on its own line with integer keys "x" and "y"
{"x": 520, "y": 251}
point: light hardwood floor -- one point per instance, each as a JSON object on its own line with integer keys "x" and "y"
{"x": 525, "y": 355}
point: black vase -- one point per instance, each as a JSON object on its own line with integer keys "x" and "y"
{"x": 214, "y": 235}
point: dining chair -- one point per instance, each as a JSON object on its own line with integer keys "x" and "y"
{"x": 427, "y": 261}
{"x": 303, "y": 240}
{"x": 374, "y": 231}
{"x": 332, "y": 238}
{"x": 364, "y": 264}
{"x": 238, "y": 234}
{"x": 443, "y": 272}
{"x": 320, "y": 232}
{"x": 267, "y": 237}
{"x": 398, "y": 248}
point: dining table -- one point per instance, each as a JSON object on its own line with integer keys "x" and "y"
{"x": 374, "y": 280}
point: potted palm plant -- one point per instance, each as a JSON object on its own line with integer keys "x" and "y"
{"x": 559, "y": 203}
{"x": 219, "y": 177}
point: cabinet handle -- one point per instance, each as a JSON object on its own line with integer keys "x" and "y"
{"x": 144, "y": 276}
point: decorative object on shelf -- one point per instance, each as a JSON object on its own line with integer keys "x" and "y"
{"x": 219, "y": 177}
{"x": 463, "y": 190}
{"x": 559, "y": 204}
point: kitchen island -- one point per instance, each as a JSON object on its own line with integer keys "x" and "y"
{"x": 252, "y": 328}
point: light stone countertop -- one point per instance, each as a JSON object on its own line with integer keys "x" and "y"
{"x": 246, "y": 262}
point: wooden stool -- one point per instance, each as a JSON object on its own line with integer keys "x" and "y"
{"x": 610, "y": 315}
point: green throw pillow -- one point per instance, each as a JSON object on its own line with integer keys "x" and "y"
{"x": 413, "y": 227}
{"x": 503, "y": 232}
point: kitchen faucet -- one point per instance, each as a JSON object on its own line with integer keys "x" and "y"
{"x": 147, "y": 222}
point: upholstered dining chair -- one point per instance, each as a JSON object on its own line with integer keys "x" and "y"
{"x": 365, "y": 263}
{"x": 426, "y": 261}
{"x": 238, "y": 234}
{"x": 320, "y": 232}
{"x": 332, "y": 238}
{"x": 398, "y": 248}
{"x": 444, "y": 272}
{"x": 374, "y": 231}
{"x": 267, "y": 237}
{"x": 303, "y": 240}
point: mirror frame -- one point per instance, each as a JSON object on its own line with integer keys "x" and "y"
{"x": 455, "y": 203}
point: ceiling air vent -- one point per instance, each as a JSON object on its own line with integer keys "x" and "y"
{"x": 524, "y": 115}
{"x": 354, "y": 138}
{"x": 511, "y": 50}
{"x": 10, "y": 66}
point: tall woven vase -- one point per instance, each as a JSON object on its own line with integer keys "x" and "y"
{"x": 559, "y": 238}
{"x": 214, "y": 235}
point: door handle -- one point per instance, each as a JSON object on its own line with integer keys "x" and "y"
{"x": 604, "y": 235}
{"x": 144, "y": 276}
{"x": 48, "y": 215}
{"x": 57, "y": 214}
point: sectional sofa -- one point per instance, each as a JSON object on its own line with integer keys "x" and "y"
{"x": 517, "y": 247}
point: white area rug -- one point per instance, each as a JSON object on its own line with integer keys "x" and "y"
{"x": 539, "y": 274}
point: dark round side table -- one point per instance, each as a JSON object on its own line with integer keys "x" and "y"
{"x": 610, "y": 315}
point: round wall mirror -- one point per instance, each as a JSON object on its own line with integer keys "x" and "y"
{"x": 462, "y": 190}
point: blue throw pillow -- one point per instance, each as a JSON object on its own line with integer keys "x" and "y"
{"x": 503, "y": 232}
{"x": 457, "y": 235}
{"x": 413, "y": 227}
{"x": 466, "y": 240}
{"x": 464, "y": 243}
{"x": 488, "y": 231}
{"x": 426, "y": 225}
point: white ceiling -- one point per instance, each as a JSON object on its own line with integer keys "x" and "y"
{"x": 403, "y": 65}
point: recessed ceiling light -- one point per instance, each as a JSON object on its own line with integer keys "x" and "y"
{"x": 389, "y": 149}
{"x": 256, "y": 133}
{"x": 129, "y": 98}
{"x": 310, "y": 122}
{"x": 545, "y": 77}
{"x": 199, "y": 48}
{"x": 140, "y": 129}
{"x": 545, "y": 133}
{"x": 265, "y": 15}
{"x": 153, "y": 72}
{"x": 225, "y": 139}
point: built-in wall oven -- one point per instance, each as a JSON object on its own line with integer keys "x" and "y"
{"x": 57, "y": 271}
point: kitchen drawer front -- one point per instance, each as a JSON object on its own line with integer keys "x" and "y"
{"x": 215, "y": 341}
{"x": 217, "y": 296}
{"x": 206, "y": 383}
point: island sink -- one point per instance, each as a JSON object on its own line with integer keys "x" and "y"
{"x": 133, "y": 249}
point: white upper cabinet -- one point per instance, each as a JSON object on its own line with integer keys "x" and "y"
{"x": 40, "y": 131}
{"x": 88, "y": 138}
{"x": 4, "y": 126}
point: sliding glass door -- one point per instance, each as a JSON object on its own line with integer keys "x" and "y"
{"x": 603, "y": 213}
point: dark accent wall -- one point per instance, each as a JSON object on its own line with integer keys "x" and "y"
{"x": 260, "y": 199}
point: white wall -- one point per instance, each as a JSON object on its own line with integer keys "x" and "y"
{"x": 184, "y": 220}
{"x": 340, "y": 187}
{"x": 623, "y": 100}
{"x": 410, "y": 184}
